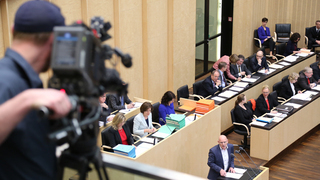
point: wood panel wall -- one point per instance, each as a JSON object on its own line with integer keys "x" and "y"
{"x": 158, "y": 34}
{"x": 248, "y": 14}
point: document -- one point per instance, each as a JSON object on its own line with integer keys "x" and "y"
{"x": 249, "y": 79}
{"x": 125, "y": 111}
{"x": 217, "y": 98}
{"x": 311, "y": 92}
{"x": 277, "y": 119}
{"x": 234, "y": 88}
{"x": 293, "y": 105}
{"x": 257, "y": 123}
{"x": 143, "y": 147}
{"x": 137, "y": 104}
{"x": 276, "y": 66}
{"x": 291, "y": 58}
{"x": 148, "y": 140}
{"x": 241, "y": 84}
{"x": 284, "y": 63}
{"x": 262, "y": 71}
{"x": 228, "y": 94}
{"x": 317, "y": 88}
{"x": 160, "y": 135}
{"x": 240, "y": 170}
{"x": 274, "y": 114}
{"x": 302, "y": 54}
{"x": 234, "y": 175}
{"x": 302, "y": 96}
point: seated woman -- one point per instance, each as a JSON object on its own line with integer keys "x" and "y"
{"x": 265, "y": 37}
{"x": 166, "y": 107}
{"x": 105, "y": 111}
{"x": 142, "y": 123}
{"x": 242, "y": 112}
{"x": 119, "y": 133}
{"x": 292, "y": 47}
{"x": 288, "y": 87}
{"x": 265, "y": 102}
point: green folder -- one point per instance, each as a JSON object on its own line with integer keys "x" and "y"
{"x": 166, "y": 129}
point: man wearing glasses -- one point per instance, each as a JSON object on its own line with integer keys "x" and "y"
{"x": 259, "y": 62}
{"x": 305, "y": 80}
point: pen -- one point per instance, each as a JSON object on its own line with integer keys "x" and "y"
{"x": 195, "y": 117}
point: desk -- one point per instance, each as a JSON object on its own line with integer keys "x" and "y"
{"x": 263, "y": 175}
{"x": 187, "y": 149}
{"x": 132, "y": 112}
{"x": 254, "y": 90}
{"x": 269, "y": 141}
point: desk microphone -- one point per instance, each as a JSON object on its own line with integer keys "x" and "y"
{"x": 242, "y": 149}
{"x": 165, "y": 124}
{"x": 231, "y": 154}
{"x": 238, "y": 152}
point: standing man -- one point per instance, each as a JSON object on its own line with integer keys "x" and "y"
{"x": 239, "y": 69}
{"x": 25, "y": 152}
{"x": 259, "y": 62}
{"x": 314, "y": 35}
{"x": 210, "y": 85}
{"x": 220, "y": 161}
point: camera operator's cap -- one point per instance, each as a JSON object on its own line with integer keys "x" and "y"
{"x": 37, "y": 16}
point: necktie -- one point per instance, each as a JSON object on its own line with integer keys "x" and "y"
{"x": 122, "y": 103}
{"x": 308, "y": 81}
{"x": 239, "y": 69}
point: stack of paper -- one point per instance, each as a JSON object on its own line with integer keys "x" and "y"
{"x": 302, "y": 96}
{"x": 293, "y": 105}
{"x": 249, "y": 79}
{"x": 234, "y": 88}
{"x": 284, "y": 63}
{"x": 274, "y": 114}
{"x": 311, "y": 93}
{"x": 276, "y": 66}
{"x": 126, "y": 150}
{"x": 263, "y": 71}
{"x": 241, "y": 84}
{"x": 187, "y": 108}
{"x": 290, "y": 58}
{"x": 228, "y": 94}
{"x": 317, "y": 88}
{"x": 143, "y": 147}
{"x": 302, "y": 54}
{"x": 176, "y": 120}
{"x": 257, "y": 123}
{"x": 164, "y": 131}
{"x": 217, "y": 98}
{"x": 204, "y": 106}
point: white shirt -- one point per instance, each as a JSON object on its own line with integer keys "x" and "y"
{"x": 292, "y": 88}
{"x": 225, "y": 157}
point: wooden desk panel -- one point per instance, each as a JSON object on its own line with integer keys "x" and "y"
{"x": 255, "y": 91}
{"x": 266, "y": 144}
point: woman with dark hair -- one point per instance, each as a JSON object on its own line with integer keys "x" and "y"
{"x": 166, "y": 107}
{"x": 243, "y": 112}
{"x": 265, "y": 37}
{"x": 292, "y": 47}
{"x": 142, "y": 123}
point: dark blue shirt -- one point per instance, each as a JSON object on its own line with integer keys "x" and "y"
{"x": 26, "y": 153}
{"x": 164, "y": 110}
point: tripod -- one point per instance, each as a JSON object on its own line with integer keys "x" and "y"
{"x": 81, "y": 163}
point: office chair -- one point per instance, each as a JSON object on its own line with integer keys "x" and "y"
{"x": 183, "y": 92}
{"x": 105, "y": 140}
{"x": 155, "y": 115}
{"x": 129, "y": 123}
{"x": 258, "y": 43}
{"x": 276, "y": 87}
{"x": 280, "y": 50}
{"x": 301, "y": 71}
{"x": 313, "y": 47}
{"x": 283, "y": 32}
{"x": 285, "y": 78}
{"x": 314, "y": 64}
{"x": 238, "y": 128}
{"x": 196, "y": 87}
{"x": 276, "y": 92}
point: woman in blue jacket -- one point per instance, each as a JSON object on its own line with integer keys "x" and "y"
{"x": 265, "y": 37}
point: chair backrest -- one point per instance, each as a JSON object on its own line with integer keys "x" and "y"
{"x": 255, "y": 35}
{"x": 253, "y": 104}
{"x": 196, "y": 87}
{"x": 300, "y": 72}
{"x": 283, "y": 30}
{"x": 249, "y": 62}
{"x": 285, "y": 78}
{"x": 183, "y": 92}
{"x": 281, "y": 48}
{"x": 307, "y": 31}
{"x": 274, "y": 95}
{"x": 155, "y": 112}
{"x": 104, "y": 136}
{"x": 233, "y": 118}
{"x": 129, "y": 123}
{"x": 276, "y": 87}
{"x": 314, "y": 64}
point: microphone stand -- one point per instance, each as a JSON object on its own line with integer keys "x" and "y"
{"x": 241, "y": 165}
{"x": 250, "y": 159}
{"x": 238, "y": 152}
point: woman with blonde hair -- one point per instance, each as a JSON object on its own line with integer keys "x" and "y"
{"x": 288, "y": 86}
{"x": 265, "y": 102}
{"x": 119, "y": 133}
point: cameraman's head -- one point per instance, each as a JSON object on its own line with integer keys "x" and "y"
{"x": 32, "y": 32}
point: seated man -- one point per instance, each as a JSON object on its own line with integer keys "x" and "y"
{"x": 232, "y": 59}
{"x": 305, "y": 80}
{"x": 314, "y": 35}
{"x": 222, "y": 68}
{"x": 220, "y": 160}
{"x": 239, "y": 69}
{"x": 116, "y": 102}
{"x": 259, "y": 62}
{"x": 210, "y": 85}
{"x": 316, "y": 71}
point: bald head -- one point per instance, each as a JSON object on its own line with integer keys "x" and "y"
{"x": 223, "y": 142}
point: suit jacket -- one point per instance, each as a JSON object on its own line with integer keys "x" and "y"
{"x": 226, "y": 60}
{"x": 313, "y": 36}
{"x": 215, "y": 161}
{"x": 262, "y": 34}
{"x": 140, "y": 124}
{"x": 285, "y": 89}
{"x": 316, "y": 72}
{"x": 114, "y": 102}
{"x": 208, "y": 88}
{"x": 243, "y": 116}
{"x": 106, "y": 113}
{"x": 291, "y": 46}
{"x": 114, "y": 136}
{"x": 262, "y": 106}
{"x": 255, "y": 66}
{"x": 303, "y": 82}
{"x": 235, "y": 72}
{"x": 224, "y": 79}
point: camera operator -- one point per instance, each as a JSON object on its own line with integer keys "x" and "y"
{"x": 25, "y": 153}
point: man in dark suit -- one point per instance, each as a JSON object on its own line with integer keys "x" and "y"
{"x": 239, "y": 69}
{"x": 259, "y": 62}
{"x": 220, "y": 161}
{"x": 210, "y": 85}
{"x": 314, "y": 35}
{"x": 316, "y": 71}
{"x": 222, "y": 67}
{"x": 116, "y": 102}
{"x": 305, "y": 80}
